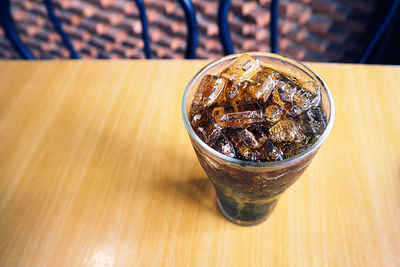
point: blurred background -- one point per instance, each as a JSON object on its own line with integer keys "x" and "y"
{"x": 309, "y": 30}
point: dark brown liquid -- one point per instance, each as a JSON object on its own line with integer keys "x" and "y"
{"x": 254, "y": 113}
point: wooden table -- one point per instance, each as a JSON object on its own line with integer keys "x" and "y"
{"x": 97, "y": 169}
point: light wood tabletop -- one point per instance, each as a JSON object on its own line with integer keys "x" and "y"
{"x": 96, "y": 169}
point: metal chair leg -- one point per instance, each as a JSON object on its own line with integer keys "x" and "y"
{"x": 192, "y": 30}
{"x": 223, "y": 10}
{"x": 8, "y": 25}
{"x": 223, "y": 27}
{"x": 274, "y": 26}
{"x": 145, "y": 28}
{"x": 57, "y": 25}
{"x": 379, "y": 32}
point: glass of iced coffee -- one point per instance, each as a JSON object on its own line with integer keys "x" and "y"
{"x": 255, "y": 120}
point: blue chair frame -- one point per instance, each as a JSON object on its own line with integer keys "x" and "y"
{"x": 7, "y": 23}
{"x": 59, "y": 29}
{"x": 223, "y": 10}
{"x": 192, "y": 29}
{"x": 379, "y": 32}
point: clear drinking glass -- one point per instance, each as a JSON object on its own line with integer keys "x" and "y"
{"x": 247, "y": 192}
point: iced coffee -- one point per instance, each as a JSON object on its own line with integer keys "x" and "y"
{"x": 252, "y": 112}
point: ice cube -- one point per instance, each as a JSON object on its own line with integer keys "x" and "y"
{"x": 301, "y": 101}
{"x": 290, "y": 150}
{"x": 315, "y": 92}
{"x": 253, "y": 137}
{"x": 236, "y": 91}
{"x": 306, "y": 97}
{"x": 196, "y": 119}
{"x": 210, "y": 91}
{"x": 249, "y": 139}
{"x": 286, "y": 130}
{"x": 295, "y": 99}
{"x": 209, "y": 133}
{"x": 262, "y": 84}
{"x": 272, "y": 152}
{"x": 243, "y": 68}
{"x": 317, "y": 99}
{"x": 286, "y": 88}
{"x": 206, "y": 130}
{"x": 313, "y": 122}
{"x": 244, "y": 151}
{"x": 237, "y": 116}
{"x": 273, "y": 113}
{"x": 222, "y": 144}
{"x": 278, "y": 99}
{"x": 312, "y": 86}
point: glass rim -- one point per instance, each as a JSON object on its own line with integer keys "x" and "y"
{"x": 296, "y": 158}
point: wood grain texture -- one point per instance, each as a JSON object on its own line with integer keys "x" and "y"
{"x": 96, "y": 169}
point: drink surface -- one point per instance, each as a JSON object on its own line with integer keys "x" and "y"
{"x": 251, "y": 112}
